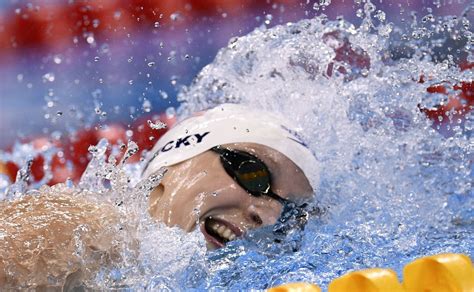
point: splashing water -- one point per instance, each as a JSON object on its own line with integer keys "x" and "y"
{"x": 107, "y": 197}
{"x": 392, "y": 187}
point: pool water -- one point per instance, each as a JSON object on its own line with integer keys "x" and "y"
{"x": 393, "y": 187}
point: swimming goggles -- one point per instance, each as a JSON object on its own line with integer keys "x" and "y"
{"x": 254, "y": 177}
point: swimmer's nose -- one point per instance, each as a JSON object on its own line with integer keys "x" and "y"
{"x": 256, "y": 219}
{"x": 258, "y": 216}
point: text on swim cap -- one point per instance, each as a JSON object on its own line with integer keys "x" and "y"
{"x": 174, "y": 144}
{"x": 185, "y": 141}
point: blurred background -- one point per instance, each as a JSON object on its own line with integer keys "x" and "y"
{"x": 77, "y": 64}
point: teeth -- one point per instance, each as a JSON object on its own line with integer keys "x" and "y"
{"x": 227, "y": 233}
{"x": 223, "y": 231}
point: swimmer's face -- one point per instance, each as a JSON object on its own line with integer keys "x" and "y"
{"x": 198, "y": 193}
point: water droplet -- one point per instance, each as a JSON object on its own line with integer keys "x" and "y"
{"x": 156, "y": 126}
{"x": 174, "y": 80}
{"x": 151, "y": 64}
{"x": 170, "y": 112}
{"x": 321, "y": 4}
{"x": 96, "y": 59}
{"x": 268, "y": 19}
{"x": 95, "y": 23}
{"x": 465, "y": 23}
{"x": 172, "y": 55}
{"x": 117, "y": 14}
{"x": 96, "y": 94}
{"x": 130, "y": 81}
{"x": 48, "y": 77}
{"x": 57, "y": 59}
{"x": 385, "y": 30}
{"x": 369, "y": 7}
{"x": 380, "y": 15}
{"x": 93, "y": 149}
{"x": 19, "y": 77}
{"x": 428, "y": 18}
{"x": 156, "y": 24}
{"x": 59, "y": 113}
{"x": 56, "y": 135}
{"x": 146, "y": 106}
{"x": 132, "y": 149}
{"x": 176, "y": 16}
{"x": 163, "y": 94}
{"x": 90, "y": 39}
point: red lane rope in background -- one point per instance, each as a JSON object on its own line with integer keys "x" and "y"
{"x": 57, "y": 25}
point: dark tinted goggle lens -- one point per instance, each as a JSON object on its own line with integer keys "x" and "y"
{"x": 253, "y": 176}
{"x": 249, "y": 172}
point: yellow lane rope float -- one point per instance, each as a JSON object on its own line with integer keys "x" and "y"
{"x": 438, "y": 273}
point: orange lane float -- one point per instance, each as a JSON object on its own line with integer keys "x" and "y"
{"x": 438, "y": 273}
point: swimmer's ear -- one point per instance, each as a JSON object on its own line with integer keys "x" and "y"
{"x": 154, "y": 199}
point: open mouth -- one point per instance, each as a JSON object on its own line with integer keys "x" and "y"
{"x": 219, "y": 232}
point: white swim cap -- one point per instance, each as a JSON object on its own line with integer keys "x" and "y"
{"x": 231, "y": 123}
